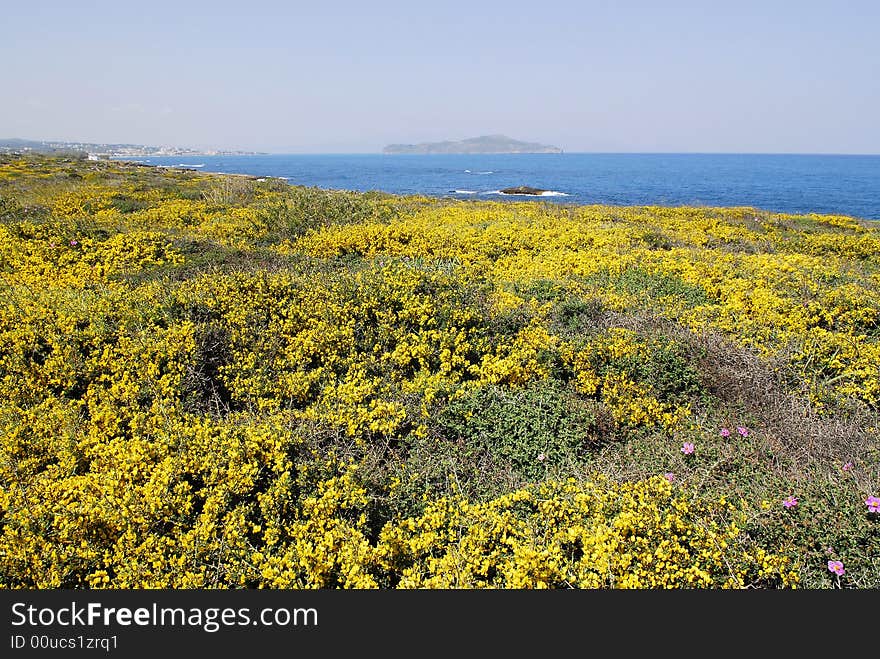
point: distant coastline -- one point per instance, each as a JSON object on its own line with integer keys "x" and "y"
{"x": 101, "y": 151}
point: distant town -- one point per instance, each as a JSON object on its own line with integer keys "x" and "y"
{"x": 106, "y": 151}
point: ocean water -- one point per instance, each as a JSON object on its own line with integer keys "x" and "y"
{"x": 843, "y": 185}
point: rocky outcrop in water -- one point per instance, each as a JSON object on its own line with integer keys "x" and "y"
{"x": 523, "y": 189}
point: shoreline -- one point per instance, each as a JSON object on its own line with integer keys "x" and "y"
{"x": 556, "y": 195}
{"x": 520, "y": 197}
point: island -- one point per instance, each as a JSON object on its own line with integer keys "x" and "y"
{"x": 482, "y": 144}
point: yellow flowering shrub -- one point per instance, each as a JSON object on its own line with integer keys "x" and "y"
{"x": 578, "y": 535}
{"x": 207, "y": 384}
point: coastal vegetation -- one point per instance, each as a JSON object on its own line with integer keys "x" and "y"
{"x": 222, "y": 381}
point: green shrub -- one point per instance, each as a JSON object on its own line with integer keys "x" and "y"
{"x": 530, "y": 428}
{"x": 300, "y": 209}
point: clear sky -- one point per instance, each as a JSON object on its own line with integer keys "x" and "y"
{"x": 747, "y": 76}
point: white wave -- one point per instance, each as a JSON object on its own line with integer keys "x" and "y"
{"x": 553, "y": 193}
{"x": 465, "y": 191}
{"x": 485, "y": 172}
{"x": 467, "y": 171}
{"x": 183, "y": 164}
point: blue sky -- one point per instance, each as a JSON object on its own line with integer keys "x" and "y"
{"x": 349, "y": 77}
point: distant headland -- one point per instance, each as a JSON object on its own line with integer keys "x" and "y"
{"x": 483, "y": 144}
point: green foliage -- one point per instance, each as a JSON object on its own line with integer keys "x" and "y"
{"x": 664, "y": 367}
{"x": 127, "y": 204}
{"x": 574, "y": 316}
{"x": 830, "y": 522}
{"x": 532, "y": 429}
{"x": 658, "y": 285}
{"x": 10, "y": 209}
{"x": 301, "y": 209}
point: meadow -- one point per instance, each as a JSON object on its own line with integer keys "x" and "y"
{"x": 216, "y": 381}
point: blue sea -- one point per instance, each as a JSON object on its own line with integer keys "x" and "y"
{"x": 843, "y": 185}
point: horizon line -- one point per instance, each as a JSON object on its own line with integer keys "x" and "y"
{"x": 250, "y": 152}
{"x": 563, "y": 153}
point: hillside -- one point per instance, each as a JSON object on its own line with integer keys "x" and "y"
{"x": 219, "y": 381}
{"x": 484, "y": 144}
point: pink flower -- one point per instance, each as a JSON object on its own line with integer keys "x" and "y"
{"x": 744, "y": 432}
{"x": 541, "y": 457}
{"x": 687, "y": 448}
{"x": 790, "y": 502}
{"x": 873, "y": 504}
{"x": 725, "y": 432}
{"x": 669, "y": 476}
{"x": 836, "y": 567}
{"x": 848, "y": 466}
{"x": 73, "y": 243}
